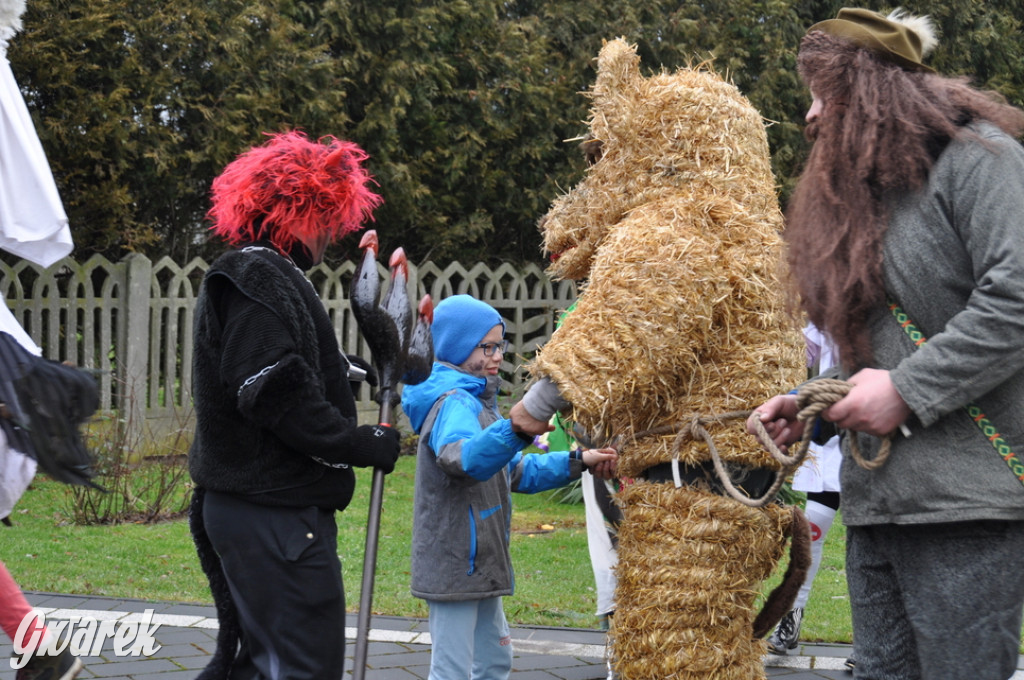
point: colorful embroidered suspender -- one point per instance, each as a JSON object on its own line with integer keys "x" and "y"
{"x": 1001, "y": 446}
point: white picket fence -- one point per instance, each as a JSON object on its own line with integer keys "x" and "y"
{"x": 131, "y": 321}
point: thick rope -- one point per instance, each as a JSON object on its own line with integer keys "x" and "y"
{"x": 812, "y": 399}
{"x": 818, "y": 395}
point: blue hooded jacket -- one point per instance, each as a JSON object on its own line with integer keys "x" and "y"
{"x": 469, "y": 460}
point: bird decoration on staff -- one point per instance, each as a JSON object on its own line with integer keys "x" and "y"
{"x": 402, "y": 351}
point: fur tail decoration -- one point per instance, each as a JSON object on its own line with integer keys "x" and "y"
{"x": 229, "y": 632}
{"x": 781, "y": 599}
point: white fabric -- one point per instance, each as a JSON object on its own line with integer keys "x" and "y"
{"x": 821, "y": 352}
{"x": 820, "y": 471}
{"x": 603, "y": 556}
{"x": 820, "y": 518}
{"x": 8, "y": 324}
{"x": 16, "y": 473}
{"x": 33, "y": 224}
{"x": 10, "y": 20}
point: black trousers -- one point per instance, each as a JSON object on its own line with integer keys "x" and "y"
{"x": 283, "y": 570}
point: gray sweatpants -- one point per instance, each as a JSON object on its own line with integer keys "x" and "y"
{"x": 936, "y": 601}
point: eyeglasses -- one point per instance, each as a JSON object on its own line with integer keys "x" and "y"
{"x": 490, "y": 348}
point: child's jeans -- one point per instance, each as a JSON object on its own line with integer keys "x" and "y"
{"x": 469, "y": 640}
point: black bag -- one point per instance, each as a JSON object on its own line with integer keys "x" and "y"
{"x": 42, "y": 403}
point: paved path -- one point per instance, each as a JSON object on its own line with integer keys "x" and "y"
{"x": 399, "y": 648}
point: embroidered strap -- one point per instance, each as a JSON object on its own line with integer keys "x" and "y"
{"x": 1000, "y": 444}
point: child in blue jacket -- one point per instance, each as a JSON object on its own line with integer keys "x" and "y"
{"x": 469, "y": 461}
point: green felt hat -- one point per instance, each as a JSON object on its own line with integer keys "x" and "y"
{"x": 889, "y": 39}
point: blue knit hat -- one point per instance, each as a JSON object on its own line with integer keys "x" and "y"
{"x": 460, "y": 323}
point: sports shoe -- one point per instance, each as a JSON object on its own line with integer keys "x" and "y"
{"x": 64, "y": 666}
{"x": 850, "y": 664}
{"x": 787, "y": 633}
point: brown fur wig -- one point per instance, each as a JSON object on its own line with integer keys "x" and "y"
{"x": 880, "y": 132}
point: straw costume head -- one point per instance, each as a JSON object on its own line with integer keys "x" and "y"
{"x": 292, "y": 189}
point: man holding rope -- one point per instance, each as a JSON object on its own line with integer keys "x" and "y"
{"x": 905, "y": 241}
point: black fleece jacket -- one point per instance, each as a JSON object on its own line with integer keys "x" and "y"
{"x": 275, "y": 415}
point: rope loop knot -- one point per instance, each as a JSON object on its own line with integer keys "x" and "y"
{"x": 812, "y": 400}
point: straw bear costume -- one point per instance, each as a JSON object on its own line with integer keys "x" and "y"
{"x": 676, "y": 231}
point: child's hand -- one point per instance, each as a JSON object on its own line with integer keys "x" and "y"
{"x": 601, "y": 462}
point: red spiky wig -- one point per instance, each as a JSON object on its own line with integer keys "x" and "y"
{"x": 291, "y": 188}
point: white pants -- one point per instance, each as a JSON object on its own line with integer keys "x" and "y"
{"x": 603, "y": 556}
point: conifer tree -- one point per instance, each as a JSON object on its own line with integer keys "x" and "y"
{"x": 468, "y": 108}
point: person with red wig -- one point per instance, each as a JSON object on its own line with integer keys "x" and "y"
{"x": 905, "y": 240}
{"x": 276, "y": 428}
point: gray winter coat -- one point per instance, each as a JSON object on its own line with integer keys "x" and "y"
{"x": 954, "y": 261}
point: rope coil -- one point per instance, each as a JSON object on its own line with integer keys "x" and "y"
{"x": 818, "y": 395}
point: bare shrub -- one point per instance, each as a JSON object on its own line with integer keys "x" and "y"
{"x": 144, "y": 476}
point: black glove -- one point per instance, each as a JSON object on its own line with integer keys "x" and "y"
{"x": 376, "y": 446}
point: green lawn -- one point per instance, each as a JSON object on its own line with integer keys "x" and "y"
{"x": 45, "y": 552}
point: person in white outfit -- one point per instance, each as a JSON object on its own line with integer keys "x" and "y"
{"x": 34, "y": 226}
{"x": 818, "y": 477}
